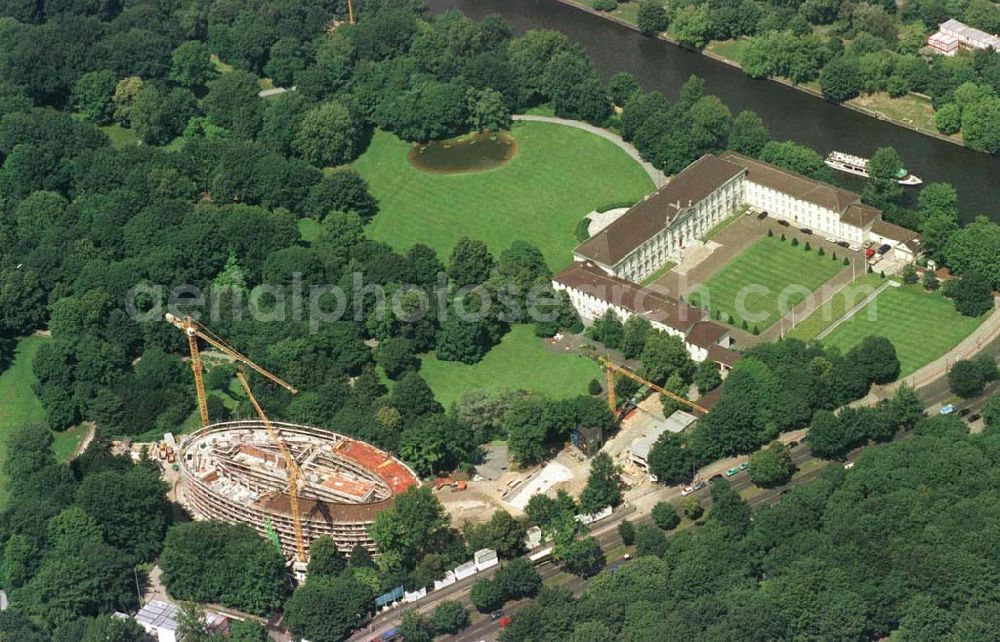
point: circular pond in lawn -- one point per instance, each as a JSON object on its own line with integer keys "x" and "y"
{"x": 470, "y": 153}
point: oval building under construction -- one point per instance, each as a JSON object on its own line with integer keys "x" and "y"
{"x": 234, "y": 472}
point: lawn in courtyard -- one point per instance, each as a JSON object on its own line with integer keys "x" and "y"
{"x": 835, "y": 307}
{"x": 519, "y": 362}
{"x": 921, "y": 325}
{"x": 20, "y": 406}
{"x": 774, "y": 265}
{"x": 558, "y": 175}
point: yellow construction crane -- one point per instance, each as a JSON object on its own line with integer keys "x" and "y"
{"x": 610, "y": 369}
{"x": 194, "y": 331}
{"x": 350, "y": 11}
{"x": 293, "y": 468}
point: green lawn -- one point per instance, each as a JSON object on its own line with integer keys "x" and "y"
{"x": 20, "y": 405}
{"x": 773, "y": 264}
{"x": 519, "y": 362}
{"x": 558, "y": 175}
{"x": 827, "y": 313}
{"x": 922, "y": 326}
{"x": 734, "y": 50}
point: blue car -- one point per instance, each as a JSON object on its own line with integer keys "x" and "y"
{"x": 947, "y": 410}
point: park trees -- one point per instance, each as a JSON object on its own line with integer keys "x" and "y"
{"x": 582, "y": 557}
{"x": 470, "y": 262}
{"x": 707, "y": 376}
{"x": 972, "y": 294}
{"x": 663, "y": 355}
{"x": 575, "y": 89}
{"x": 488, "y": 111}
{"x": 604, "y": 485}
{"x": 327, "y": 608}
{"x": 981, "y": 125}
{"x": 652, "y": 17}
{"x": 748, "y": 134}
{"x": 232, "y": 103}
{"x": 670, "y": 460}
{"x": 967, "y": 378}
{"x": 938, "y": 206}
{"x": 665, "y": 516}
{"x": 448, "y": 618}
{"x": 329, "y": 135}
{"x": 191, "y": 64}
{"x": 884, "y": 168}
{"x": 771, "y": 466}
{"x": 223, "y": 563}
{"x": 828, "y": 437}
{"x": 414, "y": 525}
{"x": 608, "y": 329}
{"x": 840, "y": 79}
{"x": 93, "y": 96}
{"x": 973, "y": 249}
{"x": 502, "y": 532}
{"x": 634, "y": 333}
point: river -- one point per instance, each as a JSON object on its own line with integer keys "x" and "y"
{"x": 788, "y": 113}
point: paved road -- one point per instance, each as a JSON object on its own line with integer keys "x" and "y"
{"x": 655, "y": 175}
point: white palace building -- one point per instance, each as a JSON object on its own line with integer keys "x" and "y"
{"x": 608, "y": 265}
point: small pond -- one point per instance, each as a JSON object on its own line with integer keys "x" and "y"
{"x": 471, "y": 153}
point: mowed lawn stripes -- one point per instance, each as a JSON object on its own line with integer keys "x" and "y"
{"x": 921, "y": 325}
{"x": 774, "y": 265}
{"x": 558, "y": 175}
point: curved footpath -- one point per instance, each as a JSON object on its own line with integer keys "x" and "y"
{"x": 658, "y": 178}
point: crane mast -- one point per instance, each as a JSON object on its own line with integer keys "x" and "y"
{"x": 610, "y": 369}
{"x": 194, "y": 331}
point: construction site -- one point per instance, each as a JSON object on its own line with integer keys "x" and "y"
{"x": 235, "y": 472}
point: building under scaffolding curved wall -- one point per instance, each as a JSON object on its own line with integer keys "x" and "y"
{"x": 233, "y": 472}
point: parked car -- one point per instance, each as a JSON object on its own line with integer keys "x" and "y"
{"x": 732, "y": 471}
{"x": 699, "y": 485}
{"x": 496, "y": 615}
{"x": 947, "y": 410}
{"x": 849, "y": 465}
{"x": 687, "y": 491}
{"x": 869, "y": 253}
{"x": 843, "y": 244}
{"x": 745, "y": 465}
{"x": 885, "y": 247}
{"x": 762, "y": 216}
{"x": 785, "y": 223}
{"x": 830, "y": 239}
{"x": 806, "y": 230}
{"x": 854, "y": 247}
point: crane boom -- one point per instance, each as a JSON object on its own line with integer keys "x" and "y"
{"x": 293, "y": 468}
{"x": 611, "y": 368}
{"x": 191, "y": 327}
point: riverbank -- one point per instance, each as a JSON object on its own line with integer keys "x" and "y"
{"x": 857, "y": 104}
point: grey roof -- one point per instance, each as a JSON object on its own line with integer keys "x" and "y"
{"x": 159, "y": 615}
{"x": 677, "y": 422}
{"x": 649, "y": 217}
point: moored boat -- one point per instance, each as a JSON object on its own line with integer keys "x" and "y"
{"x": 859, "y": 167}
